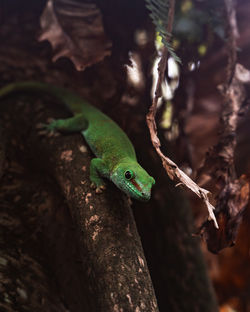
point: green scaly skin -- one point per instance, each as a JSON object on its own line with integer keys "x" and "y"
{"x": 116, "y": 158}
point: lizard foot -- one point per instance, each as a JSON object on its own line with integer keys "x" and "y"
{"x": 98, "y": 189}
{"x": 47, "y": 129}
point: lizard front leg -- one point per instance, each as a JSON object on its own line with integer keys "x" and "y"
{"x": 98, "y": 169}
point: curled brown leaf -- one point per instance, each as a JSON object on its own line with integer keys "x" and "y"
{"x": 75, "y": 30}
{"x": 230, "y": 206}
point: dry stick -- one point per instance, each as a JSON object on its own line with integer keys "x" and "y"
{"x": 232, "y": 36}
{"x": 232, "y": 90}
{"x": 233, "y": 193}
{"x": 171, "y": 168}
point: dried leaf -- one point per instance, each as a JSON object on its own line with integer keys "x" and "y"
{"x": 233, "y": 193}
{"x": 75, "y": 30}
{"x": 175, "y": 173}
{"x": 229, "y": 211}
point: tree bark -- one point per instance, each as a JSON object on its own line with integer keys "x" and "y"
{"x": 114, "y": 269}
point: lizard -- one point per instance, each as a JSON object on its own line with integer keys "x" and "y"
{"x": 115, "y": 155}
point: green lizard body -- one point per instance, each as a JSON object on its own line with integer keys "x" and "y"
{"x": 116, "y": 158}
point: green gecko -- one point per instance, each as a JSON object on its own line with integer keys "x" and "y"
{"x": 116, "y": 158}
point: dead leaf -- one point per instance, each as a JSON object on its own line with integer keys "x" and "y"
{"x": 231, "y": 204}
{"x": 75, "y": 30}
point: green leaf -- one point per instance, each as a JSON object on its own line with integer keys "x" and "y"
{"x": 159, "y": 15}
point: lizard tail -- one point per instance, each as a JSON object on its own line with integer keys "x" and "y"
{"x": 69, "y": 99}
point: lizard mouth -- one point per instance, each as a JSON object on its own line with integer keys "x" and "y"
{"x": 136, "y": 185}
{"x": 135, "y": 191}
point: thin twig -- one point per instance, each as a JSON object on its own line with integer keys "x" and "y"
{"x": 232, "y": 37}
{"x": 171, "y": 168}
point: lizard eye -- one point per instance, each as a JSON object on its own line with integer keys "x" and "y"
{"x": 129, "y": 174}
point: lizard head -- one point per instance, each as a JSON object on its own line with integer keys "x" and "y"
{"x": 133, "y": 180}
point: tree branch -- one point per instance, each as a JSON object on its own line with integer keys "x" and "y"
{"x": 233, "y": 192}
{"x": 110, "y": 249}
